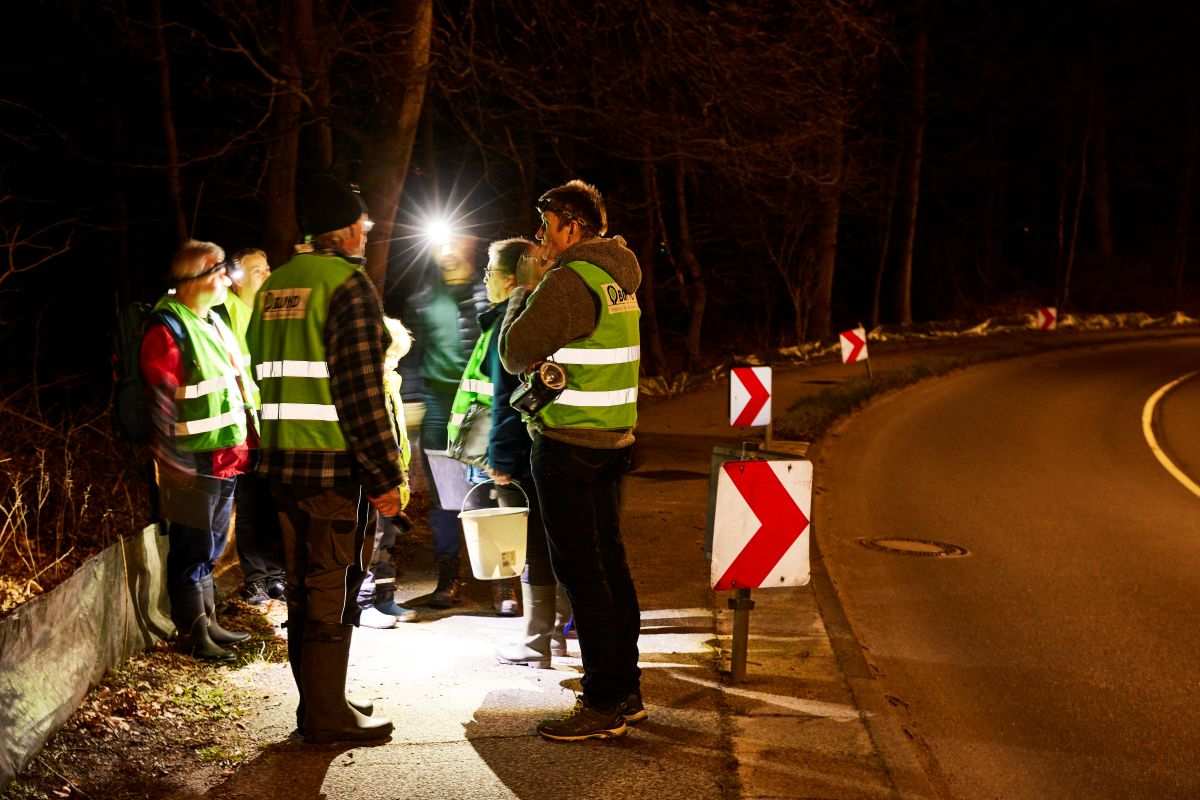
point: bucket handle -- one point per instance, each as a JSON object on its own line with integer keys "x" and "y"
{"x": 467, "y": 497}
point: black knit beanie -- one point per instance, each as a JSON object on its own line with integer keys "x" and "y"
{"x": 328, "y": 204}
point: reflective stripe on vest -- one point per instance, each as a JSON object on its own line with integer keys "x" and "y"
{"x": 228, "y": 419}
{"x": 292, "y": 369}
{"x": 618, "y": 397}
{"x": 606, "y": 355}
{"x": 225, "y": 383}
{"x": 477, "y": 386}
{"x": 300, "y": 411}
{"x": 602, "y": 367}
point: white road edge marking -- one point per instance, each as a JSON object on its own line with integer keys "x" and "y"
{"x": 814, "y": 708}
{"x": 1148, "y": 432}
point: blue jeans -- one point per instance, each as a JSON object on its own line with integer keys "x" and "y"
{"x": 193, "y": 551}
{"x": 579, "y": 490}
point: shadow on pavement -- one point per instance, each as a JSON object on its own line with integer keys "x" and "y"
{"x": 286, "y": 769}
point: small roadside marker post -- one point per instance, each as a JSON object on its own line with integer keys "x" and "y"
{"x": 750, "y": 400}
{"x": 854, "y": 348}
{"x": 760, "y": 537}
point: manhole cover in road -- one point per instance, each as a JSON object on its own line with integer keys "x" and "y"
{"x": 915, "y": 547}
{"x": 669, "y": 475}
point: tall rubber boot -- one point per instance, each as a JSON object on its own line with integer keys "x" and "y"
{"x": 295, "y": 629}
{"x": 562, "y": 613}
{"x": 327, "y": 715}
{"x": 448, "y": 592}
{"x": 187, "y": 609}
{"x": 534, "y": 649}
{"x": 218, "y": 634}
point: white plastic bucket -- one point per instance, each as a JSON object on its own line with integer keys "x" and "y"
{"x": 495, "y": 539}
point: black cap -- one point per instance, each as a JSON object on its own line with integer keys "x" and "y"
{"x": 328, "y": 204}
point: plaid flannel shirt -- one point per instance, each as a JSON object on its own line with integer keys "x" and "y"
{"x": 355, "y": 343}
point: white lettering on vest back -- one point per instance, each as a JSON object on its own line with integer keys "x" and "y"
{"x": 285, "y": 303}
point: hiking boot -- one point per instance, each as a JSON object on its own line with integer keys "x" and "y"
{"x": 255, "y": 594}
{"x": 371, "y": 617}
{"x": 276, "y": 590}
{"x": 584, "y": 722}
{"x": 448, "y": 592}
{"x": 504, "y": 599}
{"x": 394, "y": 609}
{"x": 632, "y": 709}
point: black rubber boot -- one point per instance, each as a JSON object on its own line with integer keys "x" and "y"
{"x": 327, "y": 715}
{"x": 448, "y": 592}
{"x": 187, "y": 609}
{"x": 295, "y": 629}
{"x": 562, "y": 614}
{"x": 218, "y": 634}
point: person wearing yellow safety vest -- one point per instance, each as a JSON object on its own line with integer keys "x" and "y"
{"x": 578, "y": 307}
{"x": 201, "y": 401}
{"x": 475, "y": 390}
{"x": 256, "y": 526}
{"x": 329, "y": 446}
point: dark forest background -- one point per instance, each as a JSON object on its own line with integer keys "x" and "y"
{"x": 783, "y": 169}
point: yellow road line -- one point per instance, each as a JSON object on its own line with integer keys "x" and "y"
{"x": 1148, "y": 431}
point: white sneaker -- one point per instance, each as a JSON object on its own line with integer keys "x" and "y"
{"x": 372, "y": 617}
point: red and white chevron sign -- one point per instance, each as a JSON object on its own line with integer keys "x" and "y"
{"x": 854, "y": 345}
{"x": 749, "y": 397}
{"x": 760, "y": 529}
{"x": 1046, "y": 319}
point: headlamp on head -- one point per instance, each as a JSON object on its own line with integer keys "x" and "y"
{"x": 438, "y": 233}
{"x": 229, "y": 266}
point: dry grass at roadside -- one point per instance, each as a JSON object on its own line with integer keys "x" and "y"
{"x": 159, "y": 724}
{"x": 67, "y": 491}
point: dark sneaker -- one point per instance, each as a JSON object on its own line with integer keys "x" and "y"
{"x": 583, "y": 723}
{"x": 276, "y": 589}
{"x": 632, "y": 709}
{"x": 255, "y": 594}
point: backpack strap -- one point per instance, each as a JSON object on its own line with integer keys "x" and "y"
{"x": 171, "y": 322}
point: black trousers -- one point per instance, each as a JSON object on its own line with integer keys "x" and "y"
{"x": 579, "y": 489}
{"x": 328, "y": 536}
{"x": 257, "y": 535}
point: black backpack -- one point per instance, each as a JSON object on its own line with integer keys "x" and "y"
{"x": 131, "y": 413}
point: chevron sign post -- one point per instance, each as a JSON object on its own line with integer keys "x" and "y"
{"x": 854, "y": 347}
{"x": 749, "y": 397}
{"x": 761, "y": 536}
{"x": 1046, "y": 319}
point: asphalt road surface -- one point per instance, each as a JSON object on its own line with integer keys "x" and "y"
{"x": 1059, "y": 658}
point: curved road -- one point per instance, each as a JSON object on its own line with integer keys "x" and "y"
{"x": 1060, "y": 658}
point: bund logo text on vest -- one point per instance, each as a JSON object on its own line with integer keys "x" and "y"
{"x": 285, "y": 303}
{"x": 619, "y": 301}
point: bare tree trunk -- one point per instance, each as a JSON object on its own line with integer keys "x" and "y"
{"x": 1098, "y": 120}
{"x": 174, "y": 184}
{"x": 390, "y": 153}
{"x": 648, "y": 290}
{"x": 1065, "y": 299}
{"x": 283, "y": 153}
{"x": 315, "y": 69}
{"x": 820, "y": 320}
{"x": 1183, "y": 218}
{"x": 886, "y": 245}
{"x": 697, "y": 290}
{"x": 916, "y": 153}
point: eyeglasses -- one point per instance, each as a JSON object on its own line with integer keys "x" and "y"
{"x": 230, "y": 268}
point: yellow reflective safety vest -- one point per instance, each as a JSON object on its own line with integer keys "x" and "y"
{"x": 211, "y": 408}
{"x": 475, "y": 386}
{"x": 602, "y": 368}
{"x": 287, "y": 339}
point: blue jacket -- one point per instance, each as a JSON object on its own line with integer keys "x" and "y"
{"x": 509, "y": 444}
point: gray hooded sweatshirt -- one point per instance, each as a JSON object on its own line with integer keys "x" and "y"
{"x": 561, "y": 310}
